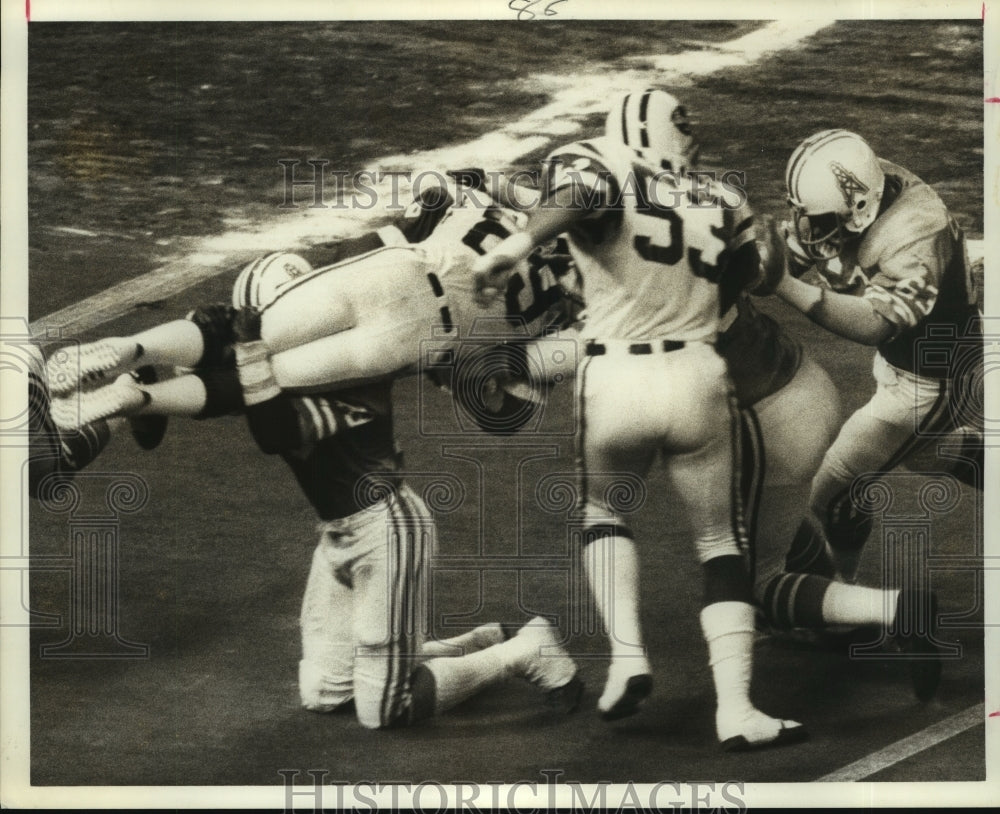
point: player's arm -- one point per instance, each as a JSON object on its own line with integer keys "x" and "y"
{"x": 854, "y": 318}
{"x": 578, "y": 189}
{"x": 279, "y": 421}
{"x": 902, "y": 291}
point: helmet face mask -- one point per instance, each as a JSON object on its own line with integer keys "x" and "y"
{"x": 835, "y": 184}
{"x": 821, "y": 236}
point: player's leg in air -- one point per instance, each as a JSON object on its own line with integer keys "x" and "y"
{"x": 56, "y": 455}
{"x": 785, "y": 437}
{"x": 358, "y": 320}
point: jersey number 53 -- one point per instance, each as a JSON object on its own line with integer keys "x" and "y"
{"x": 701, "y": 227}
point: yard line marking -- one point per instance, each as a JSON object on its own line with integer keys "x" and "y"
{"x": 573, "y": 98}
{"x": 907, "y": 747}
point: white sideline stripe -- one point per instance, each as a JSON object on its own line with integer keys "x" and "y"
{"x": 575, "y": 98}
{"x": 907, "y": 747}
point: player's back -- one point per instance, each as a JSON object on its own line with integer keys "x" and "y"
{"x": 649, "y": 257}
{"x": 346, "y": 440}
{"x": 456, "y": 224}
{"x": 915, "y": 262}
{"x": 461, "y": 223}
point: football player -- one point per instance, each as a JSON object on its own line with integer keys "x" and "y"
{"x": 364, "y": 620}
{"x": 790, "y": 414}
{"x": 359, "y": 318}
{"x": 650, "y": 253}
{"x": 893, "y": 273}
{"x": 365, "y": 611}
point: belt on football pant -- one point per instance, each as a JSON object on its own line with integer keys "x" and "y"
{"x": 438, "y": 290}
{"x": 635, "y": 348}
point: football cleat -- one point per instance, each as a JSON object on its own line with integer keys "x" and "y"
{"x": 625, "y": 691}
{"x": 118, "y": 399}
{"x": 147, "y": 430}
{"x": 547, "y": 665}
{"x": 757, "y": 730}
{"x": 913, "y": 628}
{"x": 77, "y": 366}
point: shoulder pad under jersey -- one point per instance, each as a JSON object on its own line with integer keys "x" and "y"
{"x": 580, "y": 162}
{"x": 916, "y": 214}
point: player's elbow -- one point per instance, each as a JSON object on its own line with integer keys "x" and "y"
{"x": 875, "y": 331}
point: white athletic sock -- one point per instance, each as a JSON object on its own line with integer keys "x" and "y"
{"x": 179, "y": 342}
{"x": 857, "y": 605}
{"x": 470, "y": 642}
{"x": 456, "y": 679}
{"x": 183, "y": 395}
{"x": 613, "y": 573}
{"x": 728, "y": 628}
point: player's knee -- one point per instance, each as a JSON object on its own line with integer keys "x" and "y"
{"x": 380, "y": 692}
{"x": 712, "y": 545}
{"x": 803, "y": 461}
{"x": 321, "y": 692}
{"x": 216, "y": 325}
{"x": 600, "y": 523}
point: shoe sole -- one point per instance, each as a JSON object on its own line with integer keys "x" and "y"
{"x": 785, "y": 737}
{"x": 66, "y": 376}
{"x": 637, "y": 689}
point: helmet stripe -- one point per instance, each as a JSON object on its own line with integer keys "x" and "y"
{"x": 801, "y": 152}
{"x": 819, "y": 140}
{"x": 643, "y": 109}
{"x": 624, "y": 120}
{"x": 249, "y": 275}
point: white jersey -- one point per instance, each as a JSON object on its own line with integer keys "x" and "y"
{"x": 470, "y": 224}
{"x": 648, "y": 256}
{"x": 465, "y": 223}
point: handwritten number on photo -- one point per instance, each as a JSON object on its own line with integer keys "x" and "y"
{"x": 524, "y": 8}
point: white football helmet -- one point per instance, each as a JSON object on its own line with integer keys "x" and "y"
{"x": 655, "y": 125}
{"x": 835, "y": 185}
{"x": 259, "y": 284}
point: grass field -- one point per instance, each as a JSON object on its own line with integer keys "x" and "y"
{"x": 144, "y": 137}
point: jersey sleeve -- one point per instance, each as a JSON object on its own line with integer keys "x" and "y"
{"x": 580, "y": 167}
{"x": 289, "y": 423}
{"x": 904, "y": 287}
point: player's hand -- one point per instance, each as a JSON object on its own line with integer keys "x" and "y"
{"x": 799, "y": 261}
{"x": 772, "y": 248}
{"x": 490, "y": 274}
{"x": 473, "y": 177}
{"x": 246, "y": 325}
